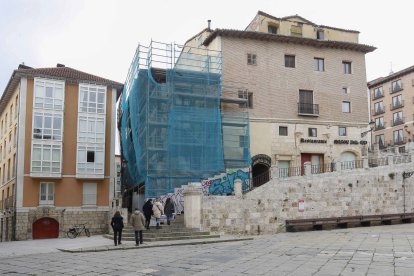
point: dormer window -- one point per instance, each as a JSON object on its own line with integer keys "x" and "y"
{"x": 320, "y": 35}
{"x": 272, "y": 29}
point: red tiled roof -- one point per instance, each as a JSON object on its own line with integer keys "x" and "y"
{"x": 289, "y": 39}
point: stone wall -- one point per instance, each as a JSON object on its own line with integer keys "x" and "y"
{"x": 95, "y": 220}
{"x": 346, "y": 193}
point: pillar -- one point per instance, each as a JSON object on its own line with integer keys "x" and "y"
{"x": 192, "y": 205}
{"x": 238, "y": 190}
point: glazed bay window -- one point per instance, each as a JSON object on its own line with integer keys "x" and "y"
{"x": 47, "y": 126}
{"x": 48, "y": 94}
{"x": 47, "y": 193}
{"x": 92, "y": 98}
{"x": 251, "y": 59}
{"x": 90, "y": 161}
{"x": 46, "y": 159}
{"x": 91, "y": 129}
{"x": 319, "y": 64}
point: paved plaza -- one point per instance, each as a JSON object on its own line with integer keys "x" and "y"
{"x": 381, "y": 250}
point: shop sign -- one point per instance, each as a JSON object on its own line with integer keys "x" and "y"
{"x": 313, "y": 141}
{"x": 350, "y": 142}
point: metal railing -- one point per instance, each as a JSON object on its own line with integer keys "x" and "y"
{"x": 397, "y": 142}
{"x": 350, "y": 165}
{"x": 379, "y": 127}
{"x": 377, "y": 162}
{"x": 396, "y": 105}
{"x": 377, "y": 111}
{"x": 402, "y": 159}
{"x": 324, "y": 168}
{"x": 261, "y": 179}
{"x": 397, "y": 121}
{"x": 396, "y": 88}
{"x": 289, "y": 172}
{"x": 308, "y": 109}
{"x": 377, "y": 95}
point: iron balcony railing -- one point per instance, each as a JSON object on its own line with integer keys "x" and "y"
{"x": 377, "y": 162}
{"x": 398, "y": 121}
{"x": 378, "y": 95}
{"x": 261, "y": 179}
{"x": 402, "y": 159}
{"x": 308, "y": 109}
{"x": 397, "y": 104}
{"x": 324, "y": 168}
{"x": 378, "y": 111}
{"x": 396, "y": 88}
{"x": 396, "y": 142}
{"x": 379, "y": 127}
{"x": 289, "y": 172}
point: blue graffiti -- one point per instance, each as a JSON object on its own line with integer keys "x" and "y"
{"x": 225, "y": 185}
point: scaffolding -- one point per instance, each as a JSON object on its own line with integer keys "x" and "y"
{"x": 172, "y": 128}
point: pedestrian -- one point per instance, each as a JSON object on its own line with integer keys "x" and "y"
{"x": 117, "y": 224}
{"x": 138, "y": 223}
{"x": 147, "y": 208}
{"x": 169, "y": 209}
{"x": 158, "y": 211}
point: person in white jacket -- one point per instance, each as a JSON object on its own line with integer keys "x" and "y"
{"x": 158, "y": 211}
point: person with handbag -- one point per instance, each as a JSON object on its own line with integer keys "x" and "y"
{"x": 158, "y": 211}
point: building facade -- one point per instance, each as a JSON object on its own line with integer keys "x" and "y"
{"x": 58, "y": 151}
{"x": 392, "y": 110}
{"x": 306, "y": 90}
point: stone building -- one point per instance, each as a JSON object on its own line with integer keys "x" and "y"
{"x": 306, "y": 90}
{"x": 392, "y": 109}
{"x": 57, "y": 151}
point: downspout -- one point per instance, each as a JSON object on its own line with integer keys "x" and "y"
{"x": 15, "y": 172}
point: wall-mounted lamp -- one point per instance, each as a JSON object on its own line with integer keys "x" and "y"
{"x": 371, "y": 128}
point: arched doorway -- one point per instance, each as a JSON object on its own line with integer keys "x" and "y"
{"x": 45, "y": 228}
{"x": 260, "y": 169}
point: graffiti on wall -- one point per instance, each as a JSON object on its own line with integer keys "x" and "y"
{"x": 177, "y": 197}
{"x": 223, "y": 184}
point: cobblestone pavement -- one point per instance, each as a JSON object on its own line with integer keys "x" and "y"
{"x": 382, "y": 250}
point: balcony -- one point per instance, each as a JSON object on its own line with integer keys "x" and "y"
{"x": 307, "y": 109}
{"x": 379, "y": 127}
{"x": 397, "y": 121}
{"x": 396, "y": 88}
{"x": 377, "y": 95}
{"x": 400, "y": 141}
{"x": 378, "y": 111}
{"x": 397, "y": 104}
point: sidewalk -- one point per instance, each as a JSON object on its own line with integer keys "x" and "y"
{"x": 92, "y": 244}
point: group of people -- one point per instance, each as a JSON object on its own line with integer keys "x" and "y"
{"x": 141, "y": 221}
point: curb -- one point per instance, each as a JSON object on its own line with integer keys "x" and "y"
{"x": 87, "y": 250}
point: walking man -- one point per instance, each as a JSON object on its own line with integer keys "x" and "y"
{"x": 138, "y": 222}
{"x": 147, "y": 208}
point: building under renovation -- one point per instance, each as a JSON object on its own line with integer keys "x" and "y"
{"x": 172, "y": 123}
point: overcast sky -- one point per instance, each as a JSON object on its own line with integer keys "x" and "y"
{"x": 100, "y": 37}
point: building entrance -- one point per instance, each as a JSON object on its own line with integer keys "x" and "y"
{"x": 316, "y": 161}
{"x": 260, "y": 169}
{"x": 45, "y": 228}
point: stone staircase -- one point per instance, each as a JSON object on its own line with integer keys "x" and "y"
{"x": 175, "y": 231}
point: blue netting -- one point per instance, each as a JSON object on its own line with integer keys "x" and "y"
{"x": 172, "y": 129}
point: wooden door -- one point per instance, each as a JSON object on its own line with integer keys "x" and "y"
{"x": 45, "y": 228}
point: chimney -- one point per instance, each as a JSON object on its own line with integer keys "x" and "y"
{"x": 60, "y": 65}
{"x": 209, "y": 23}
{"x": 23, "y": 66}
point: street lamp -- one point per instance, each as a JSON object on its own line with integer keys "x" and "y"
{"x": 371, "y": 128}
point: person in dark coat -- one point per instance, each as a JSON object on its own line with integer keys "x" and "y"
{"x": 117, "y": 224}
{"x": 147, "y": 208}
{"x": 169, "y": 209}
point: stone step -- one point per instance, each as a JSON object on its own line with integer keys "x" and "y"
{"x": 162, "y": 230}
{"x": 148, "y": 239}
{"x": 173, "y": 234}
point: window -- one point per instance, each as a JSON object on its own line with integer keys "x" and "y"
{"x": 290, "y": 61}
{"x": 346, "y": 65}
{"x": 92, "y": 98}
{"x": 91, "y": 129}
{"x": 312, "y": 132}
{"x": 342, "y": 131}
{"x": 296, "y": 30}
{"x": 47, "y": 193}
{"x": 320, "y": 34}
{"x": 379, "y": 139}
{"x": 16, "y": 106}
{"x": 395, "y": 86}
{"x": 283, "y": 131}
{"x": 346, "y": 107}
{"x": 251, "y": 59}
{"x": 89, "y": 194}
{"x": 378, "y": 107}
{"x": 398, "y": 136}
{"x": 379, "y": 123}
{"x": 46, "y": 159}
{"x": 11, "y": 113}
{"x": 397, "y": 101}
{"x": 248, "y": 96}
{"x": 345, "y": 90}
{"x": 47, "y": 126}
{"x": 272, "y": 29}
{"x": 306, "y": 105}
{"x": 397, "y": 118}
{"x": 319, "y": 64}
{"x": 378, "y": 92}
{"x": 48, "y": 94}
{"x": 90, "y": 156}
{"x": 90, "y": 160}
